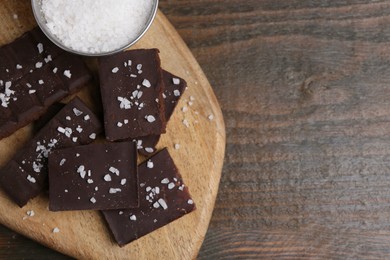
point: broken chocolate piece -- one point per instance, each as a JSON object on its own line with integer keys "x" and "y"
{"x": 131, "y": 86}
{"x": 34, "y": 73}
{"x": 163, "y": 199}
{"x": 96, "y": 176}
{"x": 174, "y": 88}
{"x": 25, "y": 175}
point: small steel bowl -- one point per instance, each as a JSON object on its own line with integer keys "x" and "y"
{"x": 36, "y": 7}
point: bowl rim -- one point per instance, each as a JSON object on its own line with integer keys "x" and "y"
{"x": 36, "y": 11}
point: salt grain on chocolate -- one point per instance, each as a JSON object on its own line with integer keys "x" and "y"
{"x": 107, "y": 177}
{"x": 150, "y": 164}
{"x": 176, "y": 81}
{"x": 40, "y": 47}
{"x": 146, "y": 83}
{"x": 176, "y": 93}
{"x": 150, "y": 118}
{"x": 149, "y": 150}
{"x": 67, "y": 73}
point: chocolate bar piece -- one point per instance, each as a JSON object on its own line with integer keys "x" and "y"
{"x": 174, "y": 88}
{"x": 34, "y": 73}
{"x": 96, "y": 176}
{"x": 131, "y": 87}
{"x": 25, "y": 175}
{"x": 163, "y": 199}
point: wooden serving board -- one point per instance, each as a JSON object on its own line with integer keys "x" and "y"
{"x": 83, "y": 234}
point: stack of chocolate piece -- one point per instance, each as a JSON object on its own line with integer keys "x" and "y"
{"x": 138, "y": 99}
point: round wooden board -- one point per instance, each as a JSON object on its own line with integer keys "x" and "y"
{"x": 83, "y": 234}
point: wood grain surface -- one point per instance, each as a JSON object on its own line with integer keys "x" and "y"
{"x": 304, "y": 86}
{"x": 83, "y": 234}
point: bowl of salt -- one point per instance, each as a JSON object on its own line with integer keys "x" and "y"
{"x": 94, "y": 27}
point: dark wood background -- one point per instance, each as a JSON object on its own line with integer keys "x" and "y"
{"x": 305, "y": 90}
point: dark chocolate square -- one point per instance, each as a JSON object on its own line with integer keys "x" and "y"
{"x": 25, "y": 175}
{"x": 96, "y": 176}
{"x": 163, "y": 199}
{"x": 174, "y": 88}
{"x": 131, "y": 87}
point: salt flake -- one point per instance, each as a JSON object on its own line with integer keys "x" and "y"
{"x": 62, "y": 161}
{"x": 124, "y": 103}
{"x": 31, "y": 179}
{"x": 171, "y": 186}
{"x": 67, "y": 73}
{"x": 81, "y": 171}
{"x": 165, "y": 181}
{"x": 77, "y": 112}
{"x": 149, "y": 149}
{"x": 40, "y": 47}
{"x": 114, "y": 190}
{"x": 150, "y": 164}
{"x": 114, "y": 170}
{"x": 176, "y": 81}
{"x": 185, "y": 122}
{"x": 176, "y": 93}
{"x": 163, "y": 204}
{"x": 146, "y": 83}
{"x": 107, "y": 177}
{"x": 150, "y": 118}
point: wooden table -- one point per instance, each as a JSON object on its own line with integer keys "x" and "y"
{"x": 305, "y": 90}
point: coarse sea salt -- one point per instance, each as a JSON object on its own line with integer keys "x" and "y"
{"x": 96, "y": 26}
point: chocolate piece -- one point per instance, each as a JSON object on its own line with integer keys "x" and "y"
{"x": 174, "y": 88}
{"x": 34, "y": 73}
{"x": 95, "y": 176}
{"x": 131, "y": 87}
{"x": 25, "y": 175}
{"x": 163, "y": 199}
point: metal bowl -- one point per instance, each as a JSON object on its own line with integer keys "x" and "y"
{"x": 36, "y": 7}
